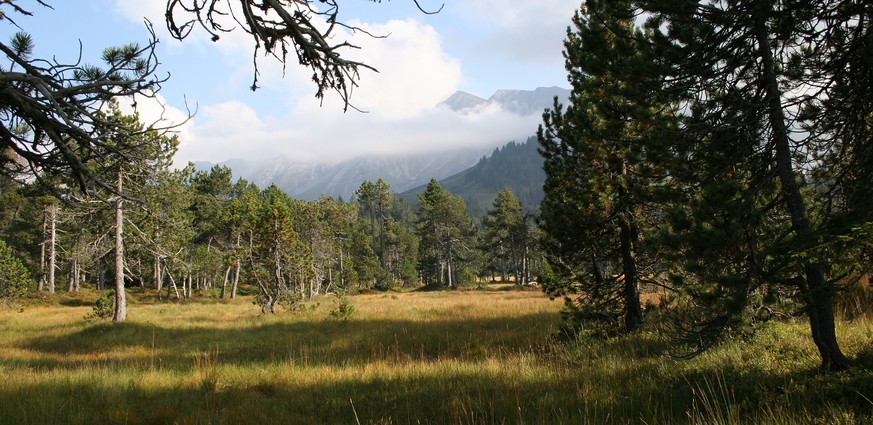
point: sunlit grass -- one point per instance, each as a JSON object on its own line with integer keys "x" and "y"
{"x": 422, "y": 357}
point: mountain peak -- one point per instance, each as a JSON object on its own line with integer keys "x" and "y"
{"x": 462, "y": 100}
{"x": 521, "y": 102}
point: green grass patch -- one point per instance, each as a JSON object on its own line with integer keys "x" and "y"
{"x": 461, "y": 357}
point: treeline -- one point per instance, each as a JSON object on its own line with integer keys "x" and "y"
{"x": 186, "y": 233}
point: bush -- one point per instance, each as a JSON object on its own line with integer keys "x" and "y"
{"x": 344, "y": 308}
{"x": 104, "y": 307}
{"x": 14, "y": 277}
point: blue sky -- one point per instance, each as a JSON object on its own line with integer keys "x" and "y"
{"x": 477, "y": 46}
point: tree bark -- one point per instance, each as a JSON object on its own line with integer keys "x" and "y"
{"x": 819, "y": 303}
{"x": 173, "y": 285}
{"x": 159, "y": 275}
{"x": 633, "y": 318}
{"x": 120, "y": 301}
{"x": 226, "y": 277}
{"x": 41, "y": 285}
{"x": 53, "y": 219}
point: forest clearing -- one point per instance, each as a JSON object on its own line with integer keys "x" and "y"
{"x": 438, "y": 357}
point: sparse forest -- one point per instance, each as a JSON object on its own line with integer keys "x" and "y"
{"x": 701, "y": 254}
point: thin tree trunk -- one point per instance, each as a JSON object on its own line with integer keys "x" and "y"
{"x": 74, "y": 273}
{"x": 821, "y": 312}
{"x": 226, "y": 277}
{"x": 120, "y": 301}
{"x": 173, "y": 285}
{"x": 342, "y": 271}
{"x": 633, "y": 313}
{"x": 101, "y": 285}
{"x": 159, "y": 275}
{"x": 235, "y": 281}
{"x": 53, "y": 218}
{"x": 41, "y": 285}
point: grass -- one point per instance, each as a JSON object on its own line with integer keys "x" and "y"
{"x": 466, "y": 357}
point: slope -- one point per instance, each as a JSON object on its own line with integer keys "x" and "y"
{"x": 517, "y": 166}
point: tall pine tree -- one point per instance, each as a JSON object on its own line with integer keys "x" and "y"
{"x": 760, "y": 101}
{"x": 601, "y": 156}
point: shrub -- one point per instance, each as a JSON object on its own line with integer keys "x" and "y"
{"x": 344, "y": 308}
{"x": 14, "y": 277}
{"x": 104, "y": 307}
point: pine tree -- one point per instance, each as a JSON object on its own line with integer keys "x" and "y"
{"x": 445, "y": 232}
{"x": 505, "y": 236}
{"x": 601, "y": 161}
{"x": 753, "y": 77}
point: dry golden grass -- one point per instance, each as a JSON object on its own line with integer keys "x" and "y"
{"x": 462, "y": 357}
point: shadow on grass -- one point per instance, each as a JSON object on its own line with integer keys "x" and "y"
{"x": 310, "y": 342}
{"x": 456, "y": 398}
{"x": 637, "y": 394}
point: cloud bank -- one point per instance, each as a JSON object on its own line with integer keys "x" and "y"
{"x": 283, "y": 119}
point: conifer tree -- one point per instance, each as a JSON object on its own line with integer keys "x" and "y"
{"x": 761, "y": 97}
{"x": 601, "y": 160}
{"x": 147, "y": 151}
{"x": 445, "y": 231}
{"x": 505, "y": 235}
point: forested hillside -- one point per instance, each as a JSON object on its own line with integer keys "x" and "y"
{"x": 516, "y": 166}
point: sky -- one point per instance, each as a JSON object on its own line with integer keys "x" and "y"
{"x": 477, "y": 46}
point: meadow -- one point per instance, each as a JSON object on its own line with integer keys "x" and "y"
{"x": 461, "y": 357}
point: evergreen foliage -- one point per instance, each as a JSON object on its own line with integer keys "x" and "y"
{"x": 14, "y": 277}
{"x": 506, "y": 238}
{"x": 602, "y": 156}
{"x": 725, "y": 138}
{"x": 757, "y": 155}
{"x": 446, "y": 235}
{"x": 516, "y": 166}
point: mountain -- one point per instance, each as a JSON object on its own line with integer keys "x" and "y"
{"x": 461, "y": 100}
{"x": 517, "y": 166}
{"x": 521, "y": 102}
{"x": 309, "y": 180}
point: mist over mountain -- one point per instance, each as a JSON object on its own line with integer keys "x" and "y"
{"x": 521, "y": 102}
{"x": 517, "y": 166}
{"x": 310, "y": 180}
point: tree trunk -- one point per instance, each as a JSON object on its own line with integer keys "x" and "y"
{"x": 235, "y": 281}
{"x": 342, "y": 271}
{"x": 819, "y": 302}
{"x": 53, "y": 219}
{"x": 226, "y": 277}
{"x": 633, "y": 313}
{"x": 120, "y": 301}
{"x": 159, "y": 275}
{"x": 41, "y": 285}
{"x": 101, "y": 284}
{"x": 173, "y": 285}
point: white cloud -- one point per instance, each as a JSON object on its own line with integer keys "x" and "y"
{"x": 523, "y": 31}
{"x": 309, "y": 132}
{"x": 414, "y": 71}
{"x": 283, "y": 119}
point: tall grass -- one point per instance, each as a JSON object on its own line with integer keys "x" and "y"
{"x": 478, "y": 357}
